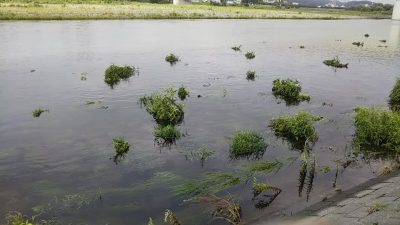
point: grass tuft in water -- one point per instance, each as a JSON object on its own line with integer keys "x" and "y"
{"x": 121, "y": 146}
{"x": 150, "y": 221}
{"x": 166, "y": 135}
{"x": 163, "y": 107}
{"x": 335, "y": 62}
{"x": 226, "y": 209}
{"x": 37, "y": 112}
{"x": 169, "y": 217}
{"x": 172, "y": 59}
{"x": 376, "y": 207}
{"x": 250, "y": 55}
{"x": 183, "y": 93}
{"x": 297, "y": 129}
{"x": 358, "y": 44}
{"x": 114, "y": 74}
{"x": 203, "y": 154}
{"x": 250, "y": 75}
{"x": 394, "y": 97}
{"x": 17, "y": 218}
{"x": 366, "y": 35}
{"x": 247, "y": 144}
{"x": 267, "y": 166}
{"x": 289, "y": 90}
{"x": 237, "y": 48}
{"x": 377, "y": 130}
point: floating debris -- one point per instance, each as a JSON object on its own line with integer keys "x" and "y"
{"x": 37, "y": 112}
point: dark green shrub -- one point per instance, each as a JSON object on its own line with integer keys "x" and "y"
{"x": 250, "y": 75}
{"x": 183, "y": 93}
{"x": 377, "y": 130}
{"x": 298, "y": 129}
{"x": 114, "y": 74}
{"x": 289, "y": 90}
{"x": 163, "y": 106}
{"x": 38, "y": 112}
{"x": 172, "y": 59}
{"x": 166, "y": 134}
{"x": 247, "y": 144}
{"x": 335, "y": 62}
{"x": 394, "y": 97}
{"x": 121, "y": 146}
{"x": 250, "y": 55}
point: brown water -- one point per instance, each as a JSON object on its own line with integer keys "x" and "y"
{"x": 67, "y": 152}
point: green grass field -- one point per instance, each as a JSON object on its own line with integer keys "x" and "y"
{"x": 78, "y": 10}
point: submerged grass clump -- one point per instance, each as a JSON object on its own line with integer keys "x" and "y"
{"x": 264, "y": 166}
{"x": 37, "y": 112}
{"x": 114, "y": 74}
{"x": 394, "y": 97}
{"x": 358, "y": 44}
{"x": 163, "y": 106}
{"x": 297, "y": 129}
{"x": 247, "y": 144}
{"x": 183, "y": 93}
{"x": 166, "y": 134}
{"x": 121, "y": 146}
{"x": 250, "y": 75}
{"x": 226, "y": 209}
{"x": 377, "y": 130}
{"x": 335, "y": 62}
{"x": 172, "y": 59}
{"x": 289, "y": 90}
{"x": 236, "y": 48}
{"x": 250, "y": 55}
{"x": 202, "y": 154}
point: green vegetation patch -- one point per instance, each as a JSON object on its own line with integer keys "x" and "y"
{"x": 248, "y": 144}
{"x": 183, "y": 93}
{"x": 289, "y": 90}
{"x": 121, "y": 145}
{"x": 166, "y": 134}
{"x": 114, "y": 74}
{"x": 237, "y": 48}
{"x": 377, "y": 130}
{"x": 250, "y": 55}
{"x": 250, "y": 75}
{"x": 358, "y": 44}
{"x": 163, "y": 106}
{"x": 37, "y": 112}
{"x": 172, "y": 59}
{"x": 394, "y": 97}
{"x": 335, "y": 62}
{"x": 267, "y": 166}
{"x": 297, "y": 129}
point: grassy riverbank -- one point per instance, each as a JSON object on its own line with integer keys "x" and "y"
{"x": 77, "y": 10}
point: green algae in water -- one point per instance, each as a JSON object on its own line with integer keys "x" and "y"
{"x": 248, "y": 144}
{"x": 289, "y": 90}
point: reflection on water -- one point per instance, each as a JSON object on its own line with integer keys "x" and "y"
{"x": 65, "y": 154}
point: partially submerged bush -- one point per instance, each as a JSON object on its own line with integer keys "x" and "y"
{"x": 394, "y": 97}
{"x": 114, "y": 74}
{"x": 121, "y": 146}
{"x": 335, "y": 62}
{"x": 289, "y": 90}
{"x": 247, "y": 144}
{"x": 183, "y": 93}
{"x": 236, "y": 48}
{"x": 165, "y": 135}
{"x": 38, "y": 112}
{"x": 172, "y": 59}
{"x": 297, "y": 129}
{"x": 163, "y": 106}
{"x": 250, "y": 55}
{"x": 250, "y": 75}
{"x": 377, "y": 130}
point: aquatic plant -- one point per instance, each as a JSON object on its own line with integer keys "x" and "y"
{"x": 335, "y": 62}
{"x": 297, "y": 129}
{"x": 250, "y": 55}
{"x": 377, "y": 130}
{"x": 269, "y": 194}
{"x": 394, "y": 97}
{"x": 166, "y": 135}
{"x": 38, "y": 112}
{"x": 202, "y": 154}
{"x": 169, "y": 217}
{"x": 172, "y": 59}
{"x": 302, "y": 46}
{"x": 209, "y": 183}
{"x": 250, "y": 75}
{"x": 325, "y": 169}
{"x": 17, "y": 218}
{"x": 83, "y": 76}
{"x": 226, "y": 209}
{"x": 266, "y": 166}
{"x": 236, "y": 48}
{"x": 358, "y": 44}
{"x": 247, "y": 144}
{"x": 366, "y": 35}
{"x": 383, "y": 41}
{"x": 163, "y": 107}
{"x": 183, "y": 93}
{"x": 376, "y": 207}
{"x": 114, "y": 74}
{"x": 150, "y": 221}
{"x": 289, "y": 90}
{"x": 121, "y": 146}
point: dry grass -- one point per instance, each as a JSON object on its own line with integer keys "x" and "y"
{"x": 226, "y": 209}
